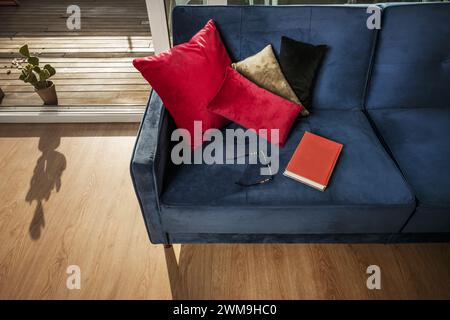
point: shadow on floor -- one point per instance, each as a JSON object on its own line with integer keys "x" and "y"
{"x": 177, "y": 285}
{"x": 198, "y": 271}
{"x": 46, "y": 178}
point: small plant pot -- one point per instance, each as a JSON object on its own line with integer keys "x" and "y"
{"x": 48, "y": 95}
{"x": 1, "y": 95}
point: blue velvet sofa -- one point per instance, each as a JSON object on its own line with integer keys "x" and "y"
{"x": 384, "y": 94}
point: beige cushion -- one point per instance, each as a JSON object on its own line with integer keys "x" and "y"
{"x": 264, "y": 70}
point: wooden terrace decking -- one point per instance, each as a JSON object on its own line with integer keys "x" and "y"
{"x": 93, "y": 64}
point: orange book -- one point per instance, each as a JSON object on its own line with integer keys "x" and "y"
{"x": 313, "y": 161}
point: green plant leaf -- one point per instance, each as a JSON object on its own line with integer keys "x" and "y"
{"x": 50, "y": 69}
{"x": 33, "y": 60}
{"x": 44, "y": 75}
{"x": 36, "y": 69}
{"x": 31, "y": 78}
{"x": 24, "y": 76}
{"x": 24, "y": 51}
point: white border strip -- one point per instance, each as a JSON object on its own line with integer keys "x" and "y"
{"x": 71, "y": 114}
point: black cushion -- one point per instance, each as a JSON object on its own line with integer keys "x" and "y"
{"x": 299, "y": 62}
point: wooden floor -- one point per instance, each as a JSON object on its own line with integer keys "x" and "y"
{"x": 93, "y": 64}
{"x": 66, "y": 199}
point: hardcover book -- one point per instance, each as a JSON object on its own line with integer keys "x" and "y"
{"x": 313, "y": 161}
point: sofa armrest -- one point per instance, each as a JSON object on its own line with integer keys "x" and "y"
{"x": 148, "y": 164}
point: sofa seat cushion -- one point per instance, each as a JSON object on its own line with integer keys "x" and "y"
{"x": 366, "y": 193}
{"x": 419, "y": 139}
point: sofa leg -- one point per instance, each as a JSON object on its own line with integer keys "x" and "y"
{"x": 167, "y": 246}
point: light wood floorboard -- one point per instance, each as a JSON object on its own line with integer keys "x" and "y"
{"x": 66, "y": 198}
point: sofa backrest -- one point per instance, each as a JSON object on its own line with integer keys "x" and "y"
{"x": 412, "y": 59}
{"x": 342, "y": 77}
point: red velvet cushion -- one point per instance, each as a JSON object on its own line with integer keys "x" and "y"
{"x": 252, "y": 107}
{"x": 188, "y": 76}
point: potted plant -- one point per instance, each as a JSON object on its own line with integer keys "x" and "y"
{"x": 38, "y": 77}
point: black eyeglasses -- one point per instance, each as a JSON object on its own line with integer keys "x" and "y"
{"x": 252, "y": 174}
